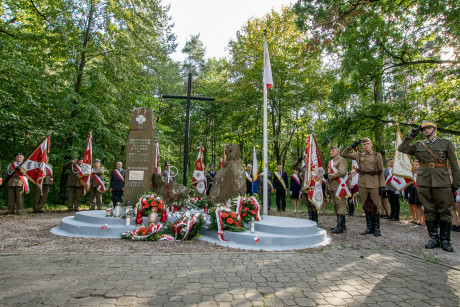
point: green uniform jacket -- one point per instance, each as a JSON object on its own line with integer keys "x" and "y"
{"x": 15, "y": 181}
{"x": 99, "y": 172}
{"x": 74, "y": 177}
{"x": 367, "y": 164}
{"x": 47, "y": 180}
{"x": 433, "y": 177}
{"x": 342, "y": 169}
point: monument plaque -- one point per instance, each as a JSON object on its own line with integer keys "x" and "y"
{"x": 140, "y": 155}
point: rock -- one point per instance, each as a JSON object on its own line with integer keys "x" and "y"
{"x": 177, "y": 191}
{"x": 230, "y": 181}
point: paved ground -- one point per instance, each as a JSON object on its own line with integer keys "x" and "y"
{"x": 334, "y": 278}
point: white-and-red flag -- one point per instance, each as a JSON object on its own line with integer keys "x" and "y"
{"x": 157, "y": 165}
{"x": 35, "y": 164}
{"x": 314, "y": 171}
{"x": 268, "y": 79}
{"x": 402, "y": 175}
{"x": 85, "y": 176}
{"x": 199, "y": 180}
{"x": 224, "y": 158}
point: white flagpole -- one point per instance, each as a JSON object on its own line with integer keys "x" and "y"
{"x": 265, "y": 187}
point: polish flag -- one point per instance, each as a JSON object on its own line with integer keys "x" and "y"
{"x": 87, "y": 165}
{"x": 268, "y": 79}
{"x": 35, "y": 164}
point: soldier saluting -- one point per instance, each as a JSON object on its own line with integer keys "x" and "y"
{"x": 434, "y": 183}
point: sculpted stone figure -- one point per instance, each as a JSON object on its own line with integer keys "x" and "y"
{"x": 230, "y": 181}
{"x": 177, "y": 191}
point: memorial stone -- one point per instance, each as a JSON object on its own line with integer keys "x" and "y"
{"x": 140, "y": 154}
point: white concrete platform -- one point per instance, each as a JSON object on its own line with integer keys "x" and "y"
{"x": 274, "y": 233}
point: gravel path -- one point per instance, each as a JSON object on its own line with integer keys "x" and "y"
{"x": 30, "y": 233}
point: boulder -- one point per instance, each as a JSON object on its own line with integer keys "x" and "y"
{"x": 230, "y": 181}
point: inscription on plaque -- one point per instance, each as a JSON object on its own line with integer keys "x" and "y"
{"x": 136, "y": 175}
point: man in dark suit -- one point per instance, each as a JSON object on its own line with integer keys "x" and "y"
{"x": 117, "y": 184}
{"x": 280, "y": 183}
{"x": 249, "y": 179}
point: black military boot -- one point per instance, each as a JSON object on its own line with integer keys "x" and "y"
{"x": 310, "y": 216}
{"x": 334, "y": 227}
{"x": 314, "y": 215}
{"x": 444, "y": 235}
{"x": 344, "y": 227}
{"x": 339, "y": 229}
{"x": 432, "y": 227}
{"x": 376, "y": 219}
{"x": 369, "y": 223}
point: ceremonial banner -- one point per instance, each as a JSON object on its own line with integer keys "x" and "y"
{"x": 314, "y": 171}
{"x": 86, "y": 166}
{"x": 402, "y": 167}
{"x": 198, "y": 180}
{"x": 157, "y": 165}
{"x": 255, "y": 174}
{"x": 35, "y": 164}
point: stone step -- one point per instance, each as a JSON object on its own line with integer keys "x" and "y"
{"x": 87, "y": 224}
{"x": 274, "y": 234}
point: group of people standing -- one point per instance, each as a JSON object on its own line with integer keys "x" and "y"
{"x": 18, "y": 185}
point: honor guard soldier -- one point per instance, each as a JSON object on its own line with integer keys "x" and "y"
{"x": 168, "y": 175}
{"x": 210, "y": 178}
{"x": 75, "y": 188}
{"x": 117, "y": 184}
{"x": 40, "y": 197}
{"x": 434, "y": 183}
{"x": 17, "y": 185}
{"x": 97, "y": 185}
{"x": 311, "y": 208}
{"x": 371, "y": 181}
{"x": 337, "y": 185}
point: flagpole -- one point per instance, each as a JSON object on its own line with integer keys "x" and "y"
{"x": 265, "y": 187}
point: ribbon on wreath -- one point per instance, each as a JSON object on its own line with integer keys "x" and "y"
{"x": 256, "y": 204}
{"x": 220, "y": 228}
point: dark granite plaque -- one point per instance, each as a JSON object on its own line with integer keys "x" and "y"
{"x": 140, "y": 154}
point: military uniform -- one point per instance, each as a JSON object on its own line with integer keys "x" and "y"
{"x": 40, "y": 197}
{"x": 15, "y": 189}
{"x": 75, "y": 188}
{"x": 434, "y": 183}
{"x": 96, "y": 195}
{"x": 337, "y": 170}
{"x": 172, "y": 176}
{"x": 209, "y": 179}
{"x": 117, "y": 185}
{"x": 371, "y": 180}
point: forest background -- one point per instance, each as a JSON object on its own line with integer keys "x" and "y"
{"x": 342, "y": 69}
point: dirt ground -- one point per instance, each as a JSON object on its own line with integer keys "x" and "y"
{"x": 30, "y": 233}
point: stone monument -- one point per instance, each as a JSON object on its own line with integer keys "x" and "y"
{"x": 140, "y": 154}
{"x": 230, "y": 181}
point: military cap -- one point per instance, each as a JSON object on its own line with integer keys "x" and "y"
{"x": 427, "y": 124}
{"x": 335, "y": 147}
{"x": 19, "y": 154}
{"x": 97, "y": 160}
{"x": 211, "y": 165}
{"x": 167, "y": 163}
{"x": 365, "y": 140}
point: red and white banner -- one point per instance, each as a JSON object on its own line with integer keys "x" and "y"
{"x": 267, "y": 78}
{"x": 35, "y": 164}
{"x": 220, "y": 227}
{"x": 157, "y": 165}
{"x": 101, "y": 187}
{"x": 119, "y": 175}
{"x": 314, "y": 171}
{"x": 85, "y": 169}
{"x": 343, "y": 189}
{"x": 199, "y": 180}
{"x": 402, "y": 167}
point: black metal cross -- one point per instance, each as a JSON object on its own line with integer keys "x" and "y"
{"x": 187, "y": 118}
